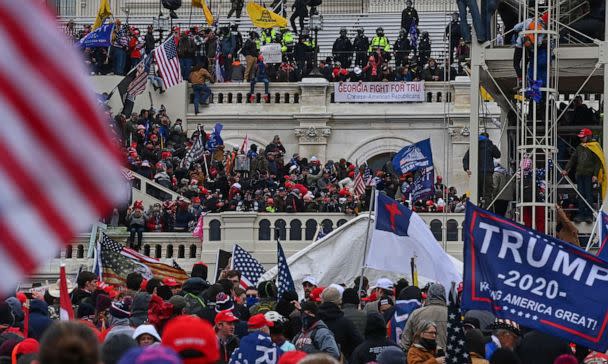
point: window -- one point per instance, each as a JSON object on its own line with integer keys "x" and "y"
{"x": 147, "y": 250}
{"x": 68, "y": 252}
{"x": 215, "y": 231}
{"x": 311, "y": 229}
{"x": 192, "y": 251}
{"x": 280, "y": 229}
{"x": 80, "y": 251}
{"x": 158, "y": 251}
{"x": 295, "y": 230}
{"x": 436, "y": 229}
{"x": 341, "y": 222}
{"x": 328, "y": 226}
{"x": 264, "y": 232}
{"x": 452, "y": 230}
{"x": 170, "y": 251}
{"x": 181, "y": 252}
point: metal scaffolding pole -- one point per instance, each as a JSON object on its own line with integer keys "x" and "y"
{"x": 476, "y": 61}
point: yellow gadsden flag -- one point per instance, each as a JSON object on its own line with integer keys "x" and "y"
{"x": 103, "y": 13}
{"x": 596, "y": 148}
{"x": 264, "y": 18}
{"x": 203, "y": 5}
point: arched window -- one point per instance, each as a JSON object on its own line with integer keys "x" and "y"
{"x": 170, "y": 251}
{"x": 80, "y": 251}
{"x": 215, "y": 230}
{"x": 158, "y": 251}
{"x": 181, "y": 252}
{"x": 280, "y": 229}
{"x": 452, "y": 230}
{"x": 192, "y": 254}
{"x": 341, "y": 222}
{"x": 436, "y": 229}
{"x": 264, "y": 232}
{"x": 295, "y": 230}
{"x": 311, "y": 229}
{"x": 328, "y": 226}
{"x": 68, "y": 252}
{"x": 147, "y": 250}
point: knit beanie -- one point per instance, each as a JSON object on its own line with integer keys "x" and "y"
{"x": 391, "y": 355}
{"x": 115, "y": 347}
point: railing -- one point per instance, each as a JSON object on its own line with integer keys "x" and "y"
{"x": 151, "y": 192}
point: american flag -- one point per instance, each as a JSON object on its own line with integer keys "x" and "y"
{"x": 168, "y": 63}
{"x": 138, "y": 85}
{"x": 48, "y": 199}
{"x": 455, "y": 350}
{"x": 368, "y": 177}
{"x": 251, "y": 270}
{"x": 196, "y": 152}
{"x": 176, "y": 266}
{"x": 127, "y": 174}
{"x": 284, "y": 280}
{"x": 117, "y": 261}
{"x": 359, "y": 185}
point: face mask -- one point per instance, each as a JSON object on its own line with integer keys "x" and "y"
{"x": 251, "y": 301}
{"x": 307, "y": 321}
{"x": 428, "y": 344}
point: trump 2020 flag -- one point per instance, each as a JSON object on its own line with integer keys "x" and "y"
{"x": 284, "y": 280}
{"x": 413, "y": 157}
{"x": 215, "y": 138}
{"x": 100, "y": 37}
{"x": 400, "y": 234}
{"x": 603, "y": 234}
{"x": 534, "y": 279}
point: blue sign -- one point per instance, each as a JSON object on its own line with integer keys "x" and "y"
{"x": 100, "y": 37}
{"x": 215, "y": 138}
{"x": 392, "y": 216}
{"x": 424, "y": 184}
{"x": 534, "y": 279}
{"x": 603, "y": 252}
{"x": 413, "y": 157}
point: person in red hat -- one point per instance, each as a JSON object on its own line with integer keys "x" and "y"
{"x": 173, "y": 284}
{"x": 224, "y": 329}
{"x": 193, "y": 339}
{"x": 257, "y": 346}
{"x": 586, "y": 164}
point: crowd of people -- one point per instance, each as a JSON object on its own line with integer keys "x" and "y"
{"x": 196, "y": 322}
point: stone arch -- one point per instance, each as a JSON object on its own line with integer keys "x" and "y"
{"x": 377, "y": 145}
{"x": 237, "y": 140}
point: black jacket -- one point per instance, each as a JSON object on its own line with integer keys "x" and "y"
{"x": 552, "y": 347}
{"x": 361, "y": 43}
{"x": 346, "y": 334}
{"x": 226, "y": 348}
{"x": 375, "y": 341}
{"x": 487, "y": 152}
{"x": 250, "y": 48}
{"x": 409, "y": 16}
{"x": 342, "y": 47}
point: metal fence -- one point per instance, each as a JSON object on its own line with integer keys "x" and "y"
{"x": 151, "y": 8}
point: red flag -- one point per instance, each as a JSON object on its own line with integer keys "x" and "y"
{"x": 66, "y": 312}
{"x": 78, "y": 182}
{"x": 245, "y": 145}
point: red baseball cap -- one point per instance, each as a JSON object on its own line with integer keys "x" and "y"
{"x": 292, "y": 357}
{"x": 225, "y": 316}
{"x": 258, "y": 321}
{"x": 193, "y": 339}
{"x": 315, "y": 294}
{"x": 585, "y": 132}
{"x": 171, "y": 282}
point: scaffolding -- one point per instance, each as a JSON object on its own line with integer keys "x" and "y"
{"x": 535, "y": 105}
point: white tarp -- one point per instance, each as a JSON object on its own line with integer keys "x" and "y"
{"x": 379, "y": 92}
{"x": 337, "y": 258}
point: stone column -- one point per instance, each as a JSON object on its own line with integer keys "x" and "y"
{"x": 313, "y": 132}
{"x": 462, "y": 94}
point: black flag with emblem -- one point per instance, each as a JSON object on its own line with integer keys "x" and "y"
{"x": 455, "y": 350}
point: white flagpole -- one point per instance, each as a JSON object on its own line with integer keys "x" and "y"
{"x": 372, "y": 205}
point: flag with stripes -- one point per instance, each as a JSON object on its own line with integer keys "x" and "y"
{"x": 176, "y": 266}
{"x": 168, "y": 63}
{"x": 48, "y": 199}
{"x": 244, "y": 145}
{"x": 138, "y": 85}
{"x": 359, "y": 185}
{"x": 368, "y": 177}
{"x": 455, "y": 351}
{"x": 196, "y": 152}
{"x": 251, "y": 270}
{"x": 284, "y": 279}
{"x": 117, "y": 261}
{"x": 127, "y": 174}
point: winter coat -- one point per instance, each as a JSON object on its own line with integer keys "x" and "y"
{"x": 361, "y": 43}
{"x": 135, "y": 218}
{"x": 409, "y": 16}
{"x": 250, "y": 48}
{"x": 500, "y": 179}
{"x": 375, "y": 341}
{"x": 552, "y": 347}
{"x": 317, "y": 339}
{"x": 428, "y": 73}
{"x": 487, "y": 152}
{"x": 437, "y": 312}
{"x": 345, "y": 332}
{"x": 356, "y": 316}
{"x": 139, "y": 308}
{"x": 419, "y": 355}
{"x": 584, "y": 161}
{"x": 39, "y": 319}
{"x": 227, "y": 348}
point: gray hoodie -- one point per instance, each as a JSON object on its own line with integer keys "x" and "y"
{"x": 435, "y": 310}
{"x": 317, "y": 339}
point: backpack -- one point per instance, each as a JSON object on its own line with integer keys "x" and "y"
{"x": 195, "y": 303}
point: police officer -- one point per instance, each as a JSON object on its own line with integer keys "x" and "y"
{"x": 361, "y": 45}
{"x": 409, "y": 17}
{"x": 301, "y": 52}
{"x": 424, "y": 49}
{"x": 453, "y": 34}
{"x": 288, "y": 43}
{"x": 380, "y": 42}
{"x": 402, "y": 49}
{"x": 251, "y": 50}
{"x": 236, "y": 6}
{"x": 343, "y": 49}
{"x": 269, "y": 35}
{"x": 234, "y": 29}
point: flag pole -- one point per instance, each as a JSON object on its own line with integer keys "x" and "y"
{"x": 372, "y": 205}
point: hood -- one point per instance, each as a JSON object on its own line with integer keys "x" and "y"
{"x": 375, "y": 326}
{"x": 40, "y": 307}
{"x": 16, "y": 308}
{"x": 436, "y": 295}
{"x": 330, "y": 311}
{"x": 140, "y": 303}
{"x": 195, "y": 285}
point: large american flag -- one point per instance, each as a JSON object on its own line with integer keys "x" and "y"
{"x": 251, "y": 270}
{"x": 116, "y": 261}
{"x": 138, "y": 85}
{"x": 359, "y": 184}
{"x": 284, "y": 279}
{"x": 168, "y": 63}
{"x": 455, "y": 350}
{"x": 50, "y": 190}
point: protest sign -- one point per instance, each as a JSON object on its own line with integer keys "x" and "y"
{"x": 379, "y": 92}
{"x": 272, "y": 53}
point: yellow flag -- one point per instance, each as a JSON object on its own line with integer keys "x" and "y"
{"x": 596, "y": 148}
{"x": 264, "y": 18}
{"x": 203, "y": 5}
{"x": 103, "y": 12}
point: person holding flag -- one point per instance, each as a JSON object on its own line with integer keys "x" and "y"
{"x": 485, "y": 182}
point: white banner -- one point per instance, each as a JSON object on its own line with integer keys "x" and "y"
{"x": 272, "y": 53}
{"x": 379, "y": 92}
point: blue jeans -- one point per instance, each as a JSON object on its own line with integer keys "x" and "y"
{"x": 186, "y": 66}
{"x": 488, "y": 9}
{"x": 120, "y": 59}
{"x": 201, "y": 94}
{"x": 266, "y": 83}
{"x": 136, "y": 229}
{"x": 477, "y": 23}
{"x": 585, "y": 188}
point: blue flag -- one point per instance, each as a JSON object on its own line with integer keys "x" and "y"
{"x": 413, "y": 157}
{"x": 216, "y": 137}
{"x": 424, "y": 184}
{"x": 403, "y": 309}
{"x": 603, "y": 252}
{"x": 284, "y": 280}
{"x": 536, "y": 280}
{"x": 257, "y": 347}
{"x": 100, "y": 37}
